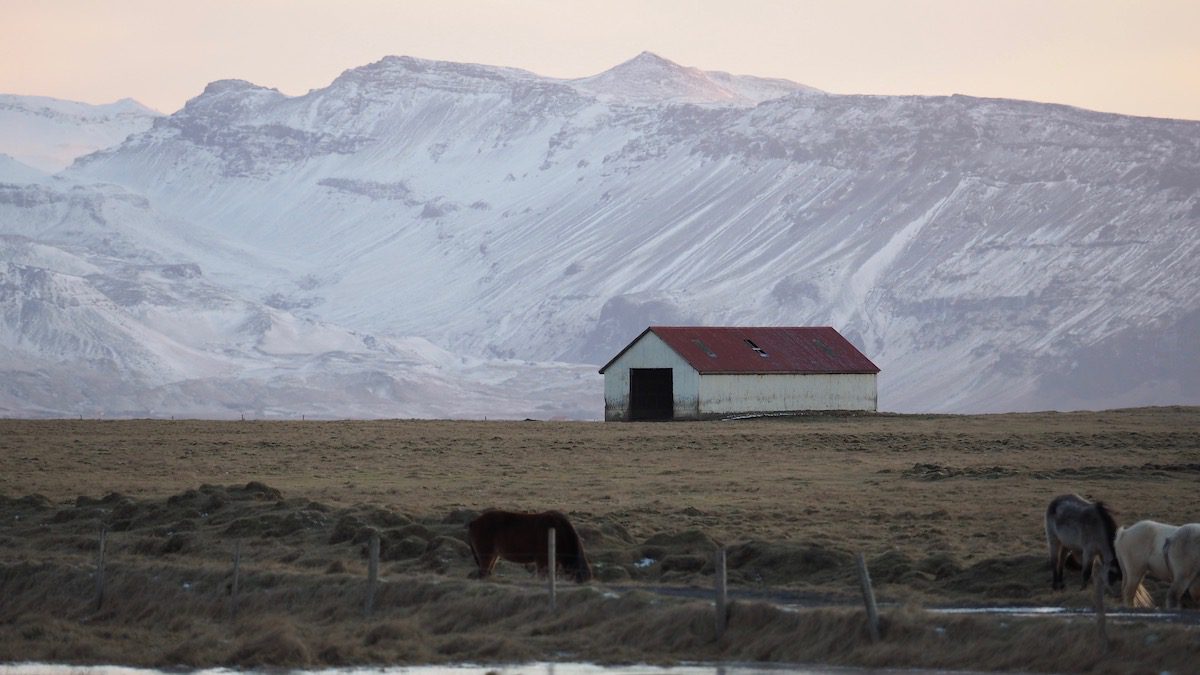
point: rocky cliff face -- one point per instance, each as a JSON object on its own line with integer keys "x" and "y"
{"x": 986, "y": 254}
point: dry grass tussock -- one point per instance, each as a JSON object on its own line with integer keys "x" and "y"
{"x": 947, "y": 510}
{"x": 305, "y": 621}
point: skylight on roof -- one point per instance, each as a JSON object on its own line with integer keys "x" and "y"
{"x": 824, "y": 347}
{"x": 704, "y": 347}
{"x": 756, "y": 348}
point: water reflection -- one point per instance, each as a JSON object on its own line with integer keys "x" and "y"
{"x": 508, "y": 669}
{"x": 1113, "y": 614}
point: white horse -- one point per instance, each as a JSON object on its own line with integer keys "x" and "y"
{"x": 1140, "y": 552}
{"x": 1182, "y": 553}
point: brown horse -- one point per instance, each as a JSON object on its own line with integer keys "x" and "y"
{"x": 1075, "y": 526}
{"x": 523, "y": 538}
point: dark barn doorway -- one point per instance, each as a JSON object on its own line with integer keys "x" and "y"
{"x": 651, "y": 394}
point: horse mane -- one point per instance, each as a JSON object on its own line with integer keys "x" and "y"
{"x": 1110, "y": 523}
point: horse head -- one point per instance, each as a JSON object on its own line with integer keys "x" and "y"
{"x": 583, "y": 571}
{"x": 571, "y": 556}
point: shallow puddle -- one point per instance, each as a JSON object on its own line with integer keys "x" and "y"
{"x": 508, "y": 669}
{"x": 1123, "y": 615}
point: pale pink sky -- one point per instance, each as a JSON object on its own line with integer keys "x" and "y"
{"x": 1131, "y": 56}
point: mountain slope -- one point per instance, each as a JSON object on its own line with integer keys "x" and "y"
{"x": 100, "y": 315}
{"x": 48, "y": 134}
{"x": 987, "y": 254}
{"x": 14, "y": 171}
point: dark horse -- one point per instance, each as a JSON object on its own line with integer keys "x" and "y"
{"x": 1082, "y": 529}
{"x": 523, "y": 538}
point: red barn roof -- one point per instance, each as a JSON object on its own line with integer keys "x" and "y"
{"x": 794, "y": 350}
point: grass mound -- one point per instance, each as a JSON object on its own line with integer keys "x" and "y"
{"x": 174, "y": 616}
{"x": 954, "y": 517}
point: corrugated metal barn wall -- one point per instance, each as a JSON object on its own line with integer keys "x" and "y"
{"x": 725, "y": 394}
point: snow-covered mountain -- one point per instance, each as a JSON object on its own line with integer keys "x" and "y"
{"x": 649, "y": 79}
{"x": 103, "y": 313}
{"x": 987, "y": 254}
{"x": 48, "y": 134}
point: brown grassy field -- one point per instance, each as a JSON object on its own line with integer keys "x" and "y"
{"x": 947, "y": 509}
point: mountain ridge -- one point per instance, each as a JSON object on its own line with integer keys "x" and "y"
{"x": 48, "y": 134}
{"x": 988, "y": 254}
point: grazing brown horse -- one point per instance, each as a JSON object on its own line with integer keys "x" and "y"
{"x": 1075, "y": 526}
{"x": 523, "y": 538}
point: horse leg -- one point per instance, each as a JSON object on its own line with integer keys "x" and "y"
{"x": 1184, "y": 584}
{"x": 1056, "y": 565}
{"x": 487, "y": 564}
{"x": 1129, "y": 586}
{"x": 1175, "y": 595}
{"x": 1131, "y": 577}
{"x": 1088, "y": 557}
{"x": 1107, "y": 569}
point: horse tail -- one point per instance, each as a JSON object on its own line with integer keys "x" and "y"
{"x": 1110, "y": 523}
{"x": 1142, "y": 598}
{"x": 1051, "y": 533}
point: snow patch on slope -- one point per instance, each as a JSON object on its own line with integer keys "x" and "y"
{"x": 14, "y": 171}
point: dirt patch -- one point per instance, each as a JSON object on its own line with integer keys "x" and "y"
{"x": 923, "y": 471}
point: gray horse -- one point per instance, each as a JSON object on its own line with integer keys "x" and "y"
{"x": 1082, "y": 529}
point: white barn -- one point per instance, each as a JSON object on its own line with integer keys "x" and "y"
{"x": 697, "y": 372}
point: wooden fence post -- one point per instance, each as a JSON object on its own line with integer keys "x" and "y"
{"x": 372, "y": 571}
{"x": 1097, "y": 572}
{"x": 722, "y": 599}
{"x": 100, "y": 568}
{"x": 237, "y": 571}
{"x": 864, "y": 578}
{"x": 552, "y": 567}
